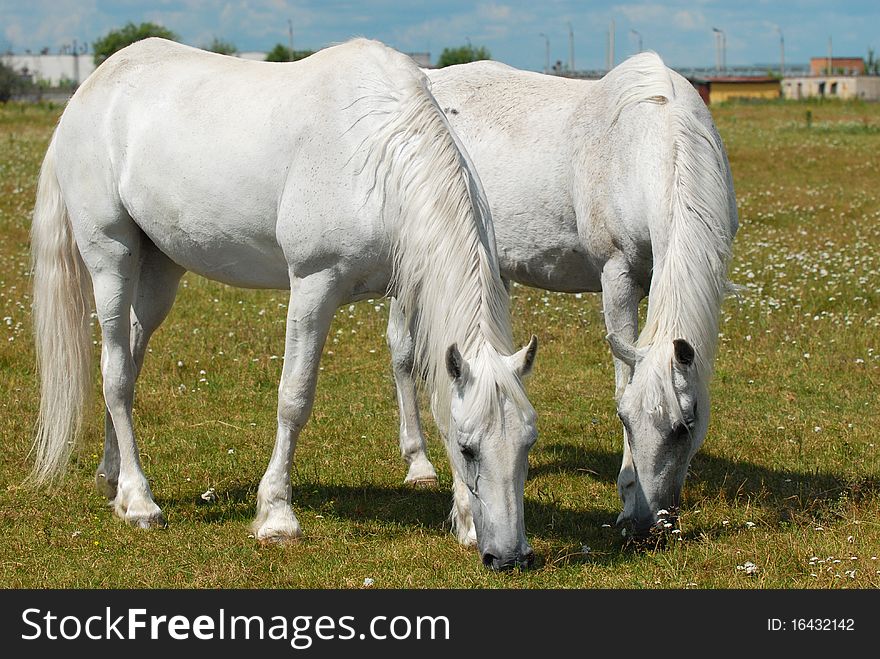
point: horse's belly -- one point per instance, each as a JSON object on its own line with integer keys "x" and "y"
{"x": 563, "y": 268}
{"x": 236, "y": 255}
{"x": 539, "y": 245}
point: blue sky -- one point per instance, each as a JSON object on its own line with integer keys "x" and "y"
{"x": 680, "y": 31}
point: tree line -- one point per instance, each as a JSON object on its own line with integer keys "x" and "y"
{"x": 128, "y": 34}
{"x": 13, "y": 84}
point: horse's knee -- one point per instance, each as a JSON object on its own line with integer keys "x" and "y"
{"x": 400, "y": 344}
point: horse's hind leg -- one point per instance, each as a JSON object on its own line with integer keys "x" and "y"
{"x": 156, "y": 288}
{"x": 313, "y": 300}
{"x": 412, "y": 440}
{"x": 112, "y": 255}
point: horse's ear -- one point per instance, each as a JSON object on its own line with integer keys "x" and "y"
{"x": 684, "y": 352}
{"x": 456, "y": 366}
{"x": 523, "y": 360}
{"x": 623, "y": 350}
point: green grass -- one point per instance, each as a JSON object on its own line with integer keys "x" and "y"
{"x": 787, "y": 478}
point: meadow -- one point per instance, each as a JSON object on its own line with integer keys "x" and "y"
{"x": 783, "y": 494}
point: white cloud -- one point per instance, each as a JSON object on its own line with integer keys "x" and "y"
{"x": 486, "y": 22}
{"x": 690, "y": 20}
{"x": 647, "y": 12}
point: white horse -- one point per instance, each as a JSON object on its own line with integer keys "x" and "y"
{"x": 622, "y": 186}
{"x": 336, "y": 177}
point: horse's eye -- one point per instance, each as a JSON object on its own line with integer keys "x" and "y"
{"x": 681, "y": 431}
{"x": 468, "y": 452}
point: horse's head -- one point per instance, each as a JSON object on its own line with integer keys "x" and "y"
{"x": 665, "y": 413}
{"x": 492, "y": 427}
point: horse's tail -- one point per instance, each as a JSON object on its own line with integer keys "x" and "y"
{"x": 700, "y": 207}
{"x": 61, "y": 306}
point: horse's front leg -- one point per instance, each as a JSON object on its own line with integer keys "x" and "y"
{"x": 461, "y": 516}
{"x": 412, "y": 440}
{"x": 620, "y": 302}
{"x": 313, "y": 300}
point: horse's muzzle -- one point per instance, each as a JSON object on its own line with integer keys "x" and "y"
{"x": 522, "y": 561}
{"x": 648, "y": 530}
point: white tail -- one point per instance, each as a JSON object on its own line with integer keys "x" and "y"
{"x": 61, "y": 305}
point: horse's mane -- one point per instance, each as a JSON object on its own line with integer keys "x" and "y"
{"x": 446, "y": 276}
{"x": 692, "y": 246}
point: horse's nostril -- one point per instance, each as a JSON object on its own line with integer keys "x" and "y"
{"x": 529, "y": 559}
{"x": 489, "y": 560}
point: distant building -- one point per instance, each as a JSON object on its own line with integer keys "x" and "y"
{"x": 718, "y": 89}
{"x": 833, "y": 77}
{"x": 52, "y": 70}
{"x": 850, "y": 66}
{"x": 832, "y": 86}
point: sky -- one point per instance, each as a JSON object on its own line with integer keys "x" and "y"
{"x": 515, "y": 32}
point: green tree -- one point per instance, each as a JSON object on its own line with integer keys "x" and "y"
{"x": 127, "y": 35}
{"x": 872, "y": 64}
{"x": 462, "y": 55}
{"x": 221, "y": 46}
{"x": 281, "y": 53}
{"x": 11, "y": 82}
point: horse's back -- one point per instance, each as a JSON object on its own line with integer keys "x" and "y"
{"x": 202, "y": 150}
{"x": 516, "y": 125}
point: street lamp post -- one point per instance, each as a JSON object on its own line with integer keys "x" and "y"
{"x": 639, "y": 37}
{"x": 611, "y": 45}
{"x": 290, "y": 37}
{"x": 546, "y": 53}
{"x": 570, "y": 48}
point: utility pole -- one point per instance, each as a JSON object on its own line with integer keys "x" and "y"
{"x": 290, "y": 37}
{"x": 75, "y": 63}
{"x": 570, "y": 48}
{"x": 829, "y": 72}
{"x": 781, "y": 53}
{"x": 546, "y": 53}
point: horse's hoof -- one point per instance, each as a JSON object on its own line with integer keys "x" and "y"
{"x": 156, "y": 521}
{"x": 425, "y": 483}
{"x": 281, "y": 528}
{"x": 421, "y": 474}
{"x": 276, "y": 539}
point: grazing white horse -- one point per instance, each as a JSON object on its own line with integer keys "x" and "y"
{"x": 336, "y": 177}
{"x": 623, "y": 186}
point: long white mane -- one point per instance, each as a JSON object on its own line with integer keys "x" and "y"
{"x": 446, "y": 275}
{"x": 692, "y": 249}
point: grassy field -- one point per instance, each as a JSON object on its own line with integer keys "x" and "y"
{"x": 787, "y": 478}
